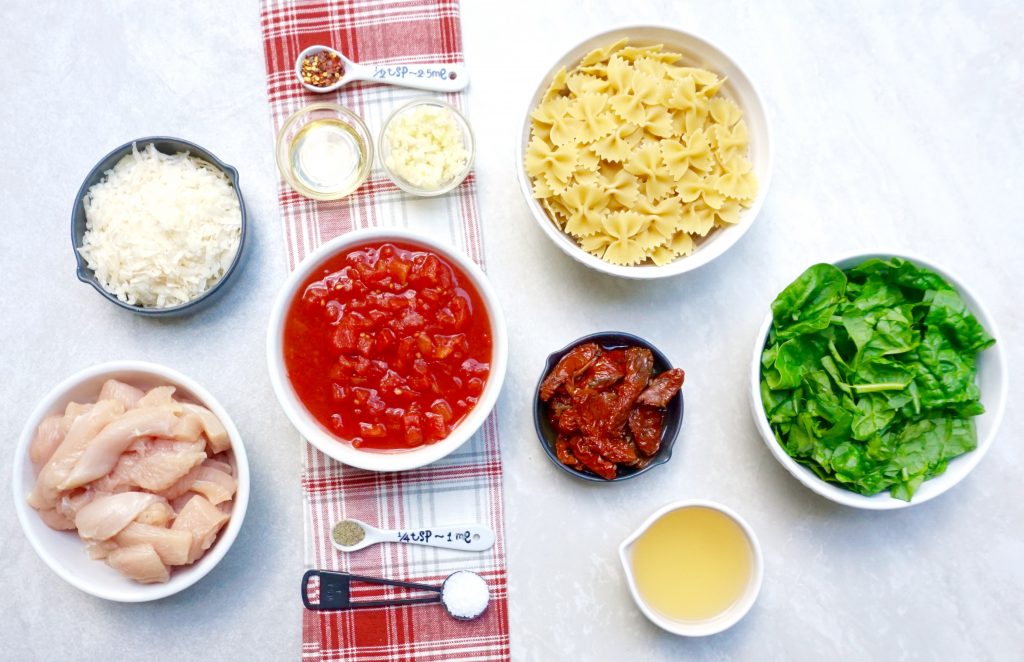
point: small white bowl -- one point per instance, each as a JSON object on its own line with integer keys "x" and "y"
{"x": 323, "y": 439}
{"x": 992, "y": 380}
{"x": 64, "y": 551}
{"x": 696, "y": 51}
{"x": 727, "y": 618}
{"x": 384, "y": 148}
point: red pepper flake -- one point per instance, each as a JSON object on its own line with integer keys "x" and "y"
{"x": 322, "y": 69}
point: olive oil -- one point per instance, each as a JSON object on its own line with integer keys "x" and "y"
{"x": 327, "y": 156}
{"x": 692, "y": 564}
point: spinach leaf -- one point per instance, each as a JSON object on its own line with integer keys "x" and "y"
{"x": 809, "y": 302}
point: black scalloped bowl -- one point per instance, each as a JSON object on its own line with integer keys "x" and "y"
{"x": 673, "y": 415}
{"x": 166, "y": 145}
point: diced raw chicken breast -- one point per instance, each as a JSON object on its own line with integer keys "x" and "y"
{"x": 162, "y": 469}
{"x": 219, "y": 465}
{"x": 215, "y": 431}
{"x": 172, "y": 545}
{"x": 105, "y": 516}
{"x": 56, "y": 520}
{"x": 139, "y": 562}
{"x": 161, "y": 396}
{"x": 59, "y": 466}
{"x": 69, "y": 504}
{"x": 215, "y": 485}
{"x": 73, "y": 411}
{"x": 100, "y": 550}
{"x": 49, "y": 434}
{"x": 203, "y": 520}
{"x": 156, "y": 514}
{"x": 189, "y": 427}
{"x": 182, "y": 486}
{"x": 126, "y": 394}
{"x": 101, "y": 454}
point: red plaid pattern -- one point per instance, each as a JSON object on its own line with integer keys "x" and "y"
{"x": 466, "y": 486}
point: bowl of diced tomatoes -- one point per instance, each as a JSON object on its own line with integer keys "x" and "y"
{"x": 387, "y": 349}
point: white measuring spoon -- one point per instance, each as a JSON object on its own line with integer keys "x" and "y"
{"x": 432, "y": 77}
{"x": 466, "y": 537}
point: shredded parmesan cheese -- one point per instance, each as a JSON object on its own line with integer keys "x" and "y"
{"x": 426, "y": 146}
{"x": 160, "y": 229}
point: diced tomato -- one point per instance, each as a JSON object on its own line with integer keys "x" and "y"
{"x": 434, "y": 426}
{"x": 372, "y": 429}
{"x": 443, "y": 409}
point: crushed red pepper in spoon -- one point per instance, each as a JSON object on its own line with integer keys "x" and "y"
{"x": 322, "y": 69}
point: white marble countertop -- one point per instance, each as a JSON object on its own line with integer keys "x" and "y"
{"x": 895, "y": 125}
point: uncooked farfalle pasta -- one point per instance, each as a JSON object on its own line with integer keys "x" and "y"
{"x": 637, "y": 157}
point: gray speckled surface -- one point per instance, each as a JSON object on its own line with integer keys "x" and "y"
{"x": 894, "y": 124}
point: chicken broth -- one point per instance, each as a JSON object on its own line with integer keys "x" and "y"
{"x": 692, "y": 564}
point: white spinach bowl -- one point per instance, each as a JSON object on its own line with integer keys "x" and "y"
{"x": 696, "y": 51}
{"x": 991, "y": 379}
{"x": 64, "y": 551}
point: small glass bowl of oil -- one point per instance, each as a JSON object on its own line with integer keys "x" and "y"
{"x": 324, "y": 151}
{"x": 694, "y": 567}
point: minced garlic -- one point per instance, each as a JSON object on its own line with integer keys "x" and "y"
{"x": 426, "y": 146}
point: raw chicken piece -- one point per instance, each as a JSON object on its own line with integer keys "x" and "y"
{"x": 101, "y": 454}
{"x": 49, "y": 434}
{"x": 126, "y": 394}
{"x": 59, "y": 466}
{"x": 161, "y": 469}
{"x": 182, "y": 486}
{"x": 100, "y": 550}
{"x": 69, "y": 504}
{"x": 139, "y": 562}
{"x": 216, "y": 434}
{"x": 215, "y": 485}
{"x": 203, "y": 520}
{"x": 156, "y": 514}
{"x": 105, "y": 516}
{"x": 73, "y": 411}
{"x": 188, "y": 428}
{"x": 56, "y": 520}
{"x": 161, "y": 396}
{"x": 219, "y": 465}
{"x": 172, "y": 545}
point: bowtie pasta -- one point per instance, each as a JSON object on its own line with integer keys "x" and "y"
{"x": 637, "y": 157}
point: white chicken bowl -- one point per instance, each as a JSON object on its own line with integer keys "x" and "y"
{"x": 64, "y": 551}
{"x": 696, "y": 51}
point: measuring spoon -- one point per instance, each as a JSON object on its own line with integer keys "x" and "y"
{"x": 432, "y": 77}
{"x": 334, "y": 592}
{"x": 467, "y": 537}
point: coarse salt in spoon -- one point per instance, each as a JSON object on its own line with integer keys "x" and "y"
{"x": 350, "y": 535}
{"x": 432, "y": 77}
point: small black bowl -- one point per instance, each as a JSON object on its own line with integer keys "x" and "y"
{"x": 167, "y": 146}
{"x": 673, "y": 414}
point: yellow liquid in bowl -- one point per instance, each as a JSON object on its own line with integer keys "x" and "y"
{"x": 327, "y": 156}
{"x": 692, "y": 564}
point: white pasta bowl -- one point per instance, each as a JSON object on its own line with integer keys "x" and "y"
{"x": 63, "y": 551}
{"x": 696, "y": 51}
{"x": 991, "y": 379}
{"x": 342, "y": 450}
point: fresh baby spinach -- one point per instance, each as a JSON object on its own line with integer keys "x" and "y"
{"x": 868, "y": 375}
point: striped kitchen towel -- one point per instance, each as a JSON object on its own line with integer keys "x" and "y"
{"x": 464, "y": 487}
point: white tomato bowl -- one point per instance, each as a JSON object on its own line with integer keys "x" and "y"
{"x": 991, "y": 379}
{"x": 340, "y": 449}
{"x": 696, "y": 51}
{"x": 64, "y": 551}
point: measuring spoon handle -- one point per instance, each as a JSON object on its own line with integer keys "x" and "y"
{"x": 432, "y": 77}
{"x": 467, "y": 537}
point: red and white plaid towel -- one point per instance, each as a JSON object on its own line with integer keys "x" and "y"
{"x": 466, "y": 486}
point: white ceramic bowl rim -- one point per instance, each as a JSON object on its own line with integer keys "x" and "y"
{"x": 317, "y": 434}
{"x": 754, "y": 113}
{"x": 31, "y": 524}
{"x": 958, "y": 468}
{"x": 730, "y": 616}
